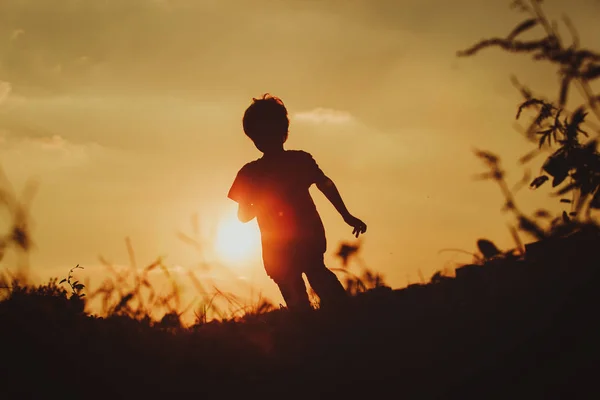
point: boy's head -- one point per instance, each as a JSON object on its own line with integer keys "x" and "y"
{"x": 266, "y": 123}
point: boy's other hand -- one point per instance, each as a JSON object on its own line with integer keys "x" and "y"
{"x": 357, "y": 224}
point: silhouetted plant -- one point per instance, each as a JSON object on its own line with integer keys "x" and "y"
{"x": 48, "y": 299}
{"x": 18, "y": 236}
{"x": 346, "y": 251}
{"x": 575, "y": 164}
{"x": 354, "y": 283}
{"x": 76, "y": 287}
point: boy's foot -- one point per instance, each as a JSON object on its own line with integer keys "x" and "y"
{"x": 338, "y": 305}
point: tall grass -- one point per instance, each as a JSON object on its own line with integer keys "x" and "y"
{"x": 133, "y": 291}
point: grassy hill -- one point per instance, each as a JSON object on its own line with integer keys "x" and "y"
{"x": 519, "y": 327}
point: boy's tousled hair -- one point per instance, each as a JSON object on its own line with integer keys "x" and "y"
{"x": 268, "y": 111}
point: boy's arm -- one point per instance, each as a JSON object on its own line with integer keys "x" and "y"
{"x": 328, "y": 188}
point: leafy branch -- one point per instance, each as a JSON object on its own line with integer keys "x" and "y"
{"x": 576, "y": 65}
{"x": 575, "y": 163}
{"x": 76, "y": 287}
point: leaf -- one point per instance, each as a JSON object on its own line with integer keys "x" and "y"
{"x": 487, "y": 156}
{"x": 577, "y": 118}
{"x": 565, "y": 201}
{"x": 566, "y": 189}
{"x": 546, "y": 135}
{"x": 556, "y": 164}
{"x": 592, "y": 72}
{"x": 528, "y": 103}
{"x": 522, "y": 27}
{"x": 542, "y": 214}
{"x": 539, "y": 181}
{"x": 557, "y": 125}
{"x": 565, "y": 217}
{"x": 63, "y": 281}
{"x": 558, "y": 179}
{"x": 545, "y": 112}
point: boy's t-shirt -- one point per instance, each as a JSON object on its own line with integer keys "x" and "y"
{"x": 277, "y": 186}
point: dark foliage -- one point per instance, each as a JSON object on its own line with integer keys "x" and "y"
{"x": 575, "y": 164}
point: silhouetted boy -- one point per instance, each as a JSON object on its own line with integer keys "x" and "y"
{"x": 274, "y": 189}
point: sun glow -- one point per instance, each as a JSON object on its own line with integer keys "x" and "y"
{"x": 237, "y": 242}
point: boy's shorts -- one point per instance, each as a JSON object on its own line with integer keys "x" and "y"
{"x": 282, "y": 262}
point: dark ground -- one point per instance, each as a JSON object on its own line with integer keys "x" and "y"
{"x": 509, "y": 329}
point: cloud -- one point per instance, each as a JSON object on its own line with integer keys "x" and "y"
{"x": 46, "y": 154}
{"x": 324, "y": 116}
{"x": 58, "y": 143}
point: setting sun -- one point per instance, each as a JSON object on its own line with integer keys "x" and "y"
{"x": 236, "y": 241}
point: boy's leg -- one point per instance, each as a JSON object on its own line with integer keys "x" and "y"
{"x": 294, "y": 292}
{"x": 324, "y": 282}
{"x": 280, "y": 265}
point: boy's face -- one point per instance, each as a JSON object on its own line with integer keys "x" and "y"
{"x": 272, "y": 139}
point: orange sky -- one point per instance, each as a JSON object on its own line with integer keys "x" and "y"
{"x": 128, "y": 113}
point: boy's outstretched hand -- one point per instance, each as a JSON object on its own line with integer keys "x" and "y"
{"x": 357, "y": 224}
{"x": 330, "y": 191}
